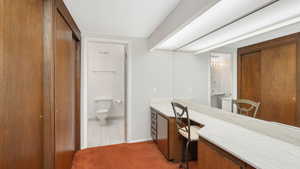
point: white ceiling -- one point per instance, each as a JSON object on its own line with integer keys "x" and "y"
{"x": 133, "y": 18}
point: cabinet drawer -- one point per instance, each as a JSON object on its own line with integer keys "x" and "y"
{"x": 153, "y": 130}
{"x": 153, "y": 120}
{"x": 154, "y": 136}
{"x": 153, "y": 115}
{"x": 153, "y": 124}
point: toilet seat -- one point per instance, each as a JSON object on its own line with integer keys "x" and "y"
{"x": 102, "y": 116}
{"x": 102, "y": 111}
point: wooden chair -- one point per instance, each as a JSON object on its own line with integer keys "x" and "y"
{"x": 245, "y": 107}
{"x": 185, "y": 129}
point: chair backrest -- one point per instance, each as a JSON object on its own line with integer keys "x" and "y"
{"x": 182, "y": 118}
{"x": 249, "y": 106}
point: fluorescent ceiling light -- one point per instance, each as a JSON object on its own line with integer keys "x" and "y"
{"x": 275, "y": 16}
{"x": 222, "y": 13}
{"x": 255, "y": 33}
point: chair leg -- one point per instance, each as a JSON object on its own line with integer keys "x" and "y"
{"x": 187, "y": 154}
{"x": 185, "y": 162}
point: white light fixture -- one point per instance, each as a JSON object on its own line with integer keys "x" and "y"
{"x": 277, "y": 15}
{"x": 220, "y": 14}
{"x": 218, "y": 59}
{"x": 249, "y": 35}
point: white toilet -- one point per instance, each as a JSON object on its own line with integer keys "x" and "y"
{"x": 102, "y": 113}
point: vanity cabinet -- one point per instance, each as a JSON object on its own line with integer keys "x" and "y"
{"x": 164, "y": 135}
{"x": 213, "y": 157}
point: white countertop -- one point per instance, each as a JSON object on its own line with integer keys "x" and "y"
{"x": 261, "y": 144}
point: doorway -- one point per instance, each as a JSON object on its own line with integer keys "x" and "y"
{"x": 221, "y": 80}
{"x": 106, "y": 93}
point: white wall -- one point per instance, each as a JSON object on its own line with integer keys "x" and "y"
{"x": 149, "y": 72}
{"x": 152, "y": 75}
{"x": 191, "y": 77}
{"x": 164, "y": 75}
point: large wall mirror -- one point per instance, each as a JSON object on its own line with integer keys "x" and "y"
{"x": 262, "y": 69}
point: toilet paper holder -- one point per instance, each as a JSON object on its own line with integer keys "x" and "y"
{"x": 117, "y": 101}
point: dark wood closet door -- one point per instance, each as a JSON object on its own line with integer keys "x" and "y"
{"x": 64, "y": 94}
{"x": 250, "y": 76}
{"x": 21, "y": 59}
{"x": 250, "y": 81}
{"x": 278, "y": 84}
{"x": 273, "y": 67}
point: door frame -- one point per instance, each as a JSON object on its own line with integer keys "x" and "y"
{"x": 50, "y": 9}
{"x": 127, "y": 87}
{"x": 210, "y": 69}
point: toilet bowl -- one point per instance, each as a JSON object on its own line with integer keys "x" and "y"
{"x": 102, "y": 113}
{"x": 102, "y": 116}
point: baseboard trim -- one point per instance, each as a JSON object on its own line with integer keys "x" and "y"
{"x": 139, "y": 140}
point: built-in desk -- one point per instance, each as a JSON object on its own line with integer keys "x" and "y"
{"x": 164, "y": 134}
{"x": 237, "y": 141}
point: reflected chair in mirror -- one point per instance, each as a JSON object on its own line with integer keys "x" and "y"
{"x": 246, "y": 107}
{"x": 185, "y": 129}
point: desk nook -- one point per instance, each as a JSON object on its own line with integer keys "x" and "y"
{"x": 227, "y": 139}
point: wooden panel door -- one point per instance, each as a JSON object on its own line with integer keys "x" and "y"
{"x": 64, "y": 95}
{"x": 278, "y": 84}
{"x": 21, "y": 84}
{"x": 162, "y": 135}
